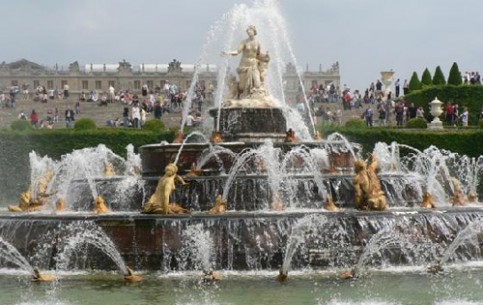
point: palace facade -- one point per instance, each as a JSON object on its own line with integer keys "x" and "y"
{"x": 100, "y": 77}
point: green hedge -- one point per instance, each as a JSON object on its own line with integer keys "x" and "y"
{"x": 16, "y": 146}
{"x": 470, "y": 96}
{"x": 460, "y": 141}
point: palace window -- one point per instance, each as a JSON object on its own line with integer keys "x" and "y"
{"x": 137, "y": 84}
{"x": 110, "y": 83}
{"x": 85, "y": 85}
{"x": 63, "y": 83}
{"x": 150, "y": 84}
{"x": 50, "y": 84}
{"x": 98, "y": 85}
{"x": 36, "y": 83}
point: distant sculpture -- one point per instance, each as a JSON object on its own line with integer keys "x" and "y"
{"x": 159, "y": 202}
{"x": 60, "y": 205}
{"x": 130, "y": 277}
{"x": 458, "y": 194}
{"x": 427, "y": 201}
{"x": 317, "y": 136}
{"x": 368, "y": 192}
{"x": 109, "y": 170}
{"x": 472, "y": 197}
{"x": 216, "y": 137}
{"x": 330, "y": 205}
{"x": 248, "y": 70}
{"x": 290, "y": 136}
{"x": 194, "y": 171}
{"x": 212, "y": 276}
{"x": 39, "y": 277}
{"x": 219, "y": 207}
{"x": 100, "y": 206}
{"x": 178, "y": 137}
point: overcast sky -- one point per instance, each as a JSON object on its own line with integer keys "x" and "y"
{"x": 365, "y": 36}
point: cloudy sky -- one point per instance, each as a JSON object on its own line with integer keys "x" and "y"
{"x": 365, "y": 36}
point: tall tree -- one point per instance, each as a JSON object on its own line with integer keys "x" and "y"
{"x": 439, "y": 78}
{"x": 454, "y": 77}
{"x": 426, "y": 79}
{"x": 414, "y": 83}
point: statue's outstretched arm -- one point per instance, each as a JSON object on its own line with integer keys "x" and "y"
{"x": 234, "y": 52}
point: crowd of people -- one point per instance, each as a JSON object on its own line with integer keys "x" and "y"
{"x": 376, "y": 106}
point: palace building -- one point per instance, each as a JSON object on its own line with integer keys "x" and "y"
{"x": 123, "y": 75}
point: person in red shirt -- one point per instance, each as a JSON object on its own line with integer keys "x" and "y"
{"x": 34, "y": 118}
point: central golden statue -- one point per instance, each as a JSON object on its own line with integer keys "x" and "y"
{"x": 159, "y": 202}
{"x": 368, "y": 192}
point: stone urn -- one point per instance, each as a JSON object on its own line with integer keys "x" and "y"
{"x": 436, "y": 111}
{"x": 387, "y": 78}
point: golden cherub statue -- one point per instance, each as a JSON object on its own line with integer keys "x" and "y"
{"x": 458, "y": 198}
{"x": 100, "y": 206}
{"x": 427, "y": 201}
{"x": 159, "y": 202}
{"x": 109, "y": 170}
{"x": 219, "y": 207}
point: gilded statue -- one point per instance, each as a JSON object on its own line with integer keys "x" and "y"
{"x": 219, "y": 207}
{"x": 472, "y": 197}
{"x": 329, "y": 205}
{"x": 178, "y": 137}
{"x": 109, "y": 170}
{"x": 60, "y": 205}
{"x": 27, "y": 202}
{"x": 290, "y": 136}
{"x": 212, "y": 276}
{"x": 427, "y": 201}
{"x": 368, "y": 192}
{"x": 458, "y": 198}
{"x": 159, "y": 202}
{"x": 130, "y": 277}
{"x": 40, "y": 277}
{"x": 282, "y": 275}
{"x": 100, "y": 206}
{"x": 216, "y": 137}
{"x": 248, "y": 70}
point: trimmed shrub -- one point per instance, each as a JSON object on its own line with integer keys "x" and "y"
{"x": 426, "y": 79}
{"x": 85, "y": 124}
{"x": 439, "y": 78}
{"x": 454, "y": 77}
{"x": 414, "y": 83}
{"x": 21, "y": 125}
{"x": 154, "y": 125}
{"x": 355, "y": 124}
{"x": 417, "y": 123}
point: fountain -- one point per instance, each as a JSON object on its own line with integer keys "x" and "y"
{"x": 271, "y": 181}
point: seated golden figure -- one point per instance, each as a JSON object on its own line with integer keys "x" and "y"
{"x": 216, "y": 137}
{"x": 100, "y": 206}
{"x": 39, "y": 277}
{"x": 458, "y": 198}
{"x": 472, "y": 197}
{"x": 194, "y": 172}
{"x": 130, "y": 277}
{"x": 427, "y": 201}
{"x": 368, "y": 192}
{"x": 60, "y": 205}
{"x": 109, "y": 170}
{"x": 219, "y": 207}
{"x": 159, "y": 202}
